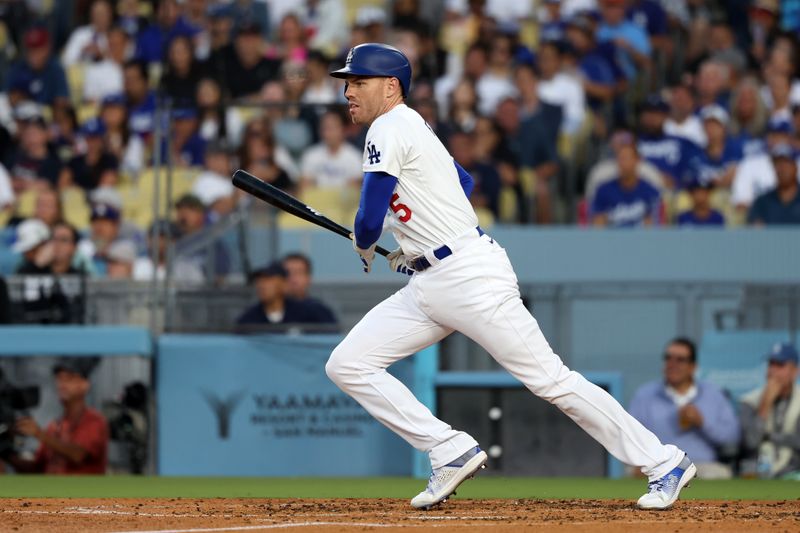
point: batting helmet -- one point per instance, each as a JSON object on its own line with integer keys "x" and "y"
{"x": 375, "y": 59}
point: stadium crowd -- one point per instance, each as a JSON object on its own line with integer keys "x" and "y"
{"x": 596, "y": 112}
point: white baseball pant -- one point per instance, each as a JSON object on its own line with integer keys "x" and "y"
{"x": 475, "y": 291}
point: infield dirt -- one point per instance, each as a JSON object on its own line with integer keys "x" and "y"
{"x": 389, "y": 515}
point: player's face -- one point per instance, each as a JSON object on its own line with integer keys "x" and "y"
{"x": 366, "y": 97}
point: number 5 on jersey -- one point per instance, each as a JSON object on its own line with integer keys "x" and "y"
{"x": 398, "y": 208}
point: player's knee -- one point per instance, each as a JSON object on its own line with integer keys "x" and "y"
{"x": 337, "y": 368}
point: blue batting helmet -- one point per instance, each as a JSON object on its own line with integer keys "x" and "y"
{"x": 375, "y": 59}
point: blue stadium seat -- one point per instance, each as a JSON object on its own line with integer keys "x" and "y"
{"x": 734, "y": 360}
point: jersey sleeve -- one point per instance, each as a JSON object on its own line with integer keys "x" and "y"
{"x": 384, "y": 150}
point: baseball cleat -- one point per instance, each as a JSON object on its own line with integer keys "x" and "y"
{"x": 663, "y": 492}
{"x": 445, "y": 480}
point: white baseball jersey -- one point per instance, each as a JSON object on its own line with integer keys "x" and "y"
{"x": 429, "y": 207}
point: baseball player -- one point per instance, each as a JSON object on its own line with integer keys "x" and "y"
{"x": 461, "y": 280}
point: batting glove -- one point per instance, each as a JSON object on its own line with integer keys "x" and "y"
{"x": 366, "y": 255}
{"x": 399, "y": 262}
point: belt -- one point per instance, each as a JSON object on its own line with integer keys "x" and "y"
{"x": 421, "y": 263}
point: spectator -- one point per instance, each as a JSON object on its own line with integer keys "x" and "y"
{"x": 486, "y": 190}
{"x": 291, "y": 43}
{"x": 274, "y": 307}
{"x": 104, "y": 77}
{"x": 126, "y": 148}
{"x": 220, "y": 20}
{"x": 262, "y": 14}
{"x": 537, "y": 140}
{"x": 129, "y": 17}
{"x": 713, "y": 84}
{"x": 474, "y": 66}
{"x": 216, "y": 120}
{"x": 628, "y": 200}
{"x": 120, "y": 258}
{"x": 33, "y": 237}
{"x": 701, "y": 213}
{"x": 693, "y": 414}
{"x": 782, "y": 204}
{"x": 320, "y": 87}
{"x": 241, "y": 67}
{"x": 682, "y": 121}
{"x": 333, "y": 163}
{"x": 7, "y": 196}
{"x": 187, "y": 145}
{"x": 496, "y": 83}
{"x": 778, "y": 86}
{"x": 607, "y": 169}
{"x": 212, "y": 258}
{"x": 48, "y": 207}
{"x": 259, "y": 156}
{"x": 672, "y": 155}
{"x": 749, "y": 117}
{"x": 32, "y": 164}
{"x": 63, "y": 140}
{"x": 39, "y": 74}
{"x": 77, "y": 442}
{"x": 293, "y": 125}
{"x": 66, "y": 260}
{"x": 552, "y": 25}
{"x": 717, "y": 162}
{"x": 326, "y": 23}
{"x": 152, "y": 42}
{"x": 769, "y": 417}
{"x": 631, "y": 40}
{"x": 105, "y": 228}
{"x": 764, "y": 26}
{"x": 182, "y": 72}
{"x": 755, "y": 175}
{"x": 722, "y": 48}
{"x": 89, "y": 43}
{"x": 599, "y": 72}
{"x": 463, "y": 112}
{"x": 182, "y": 270}
{"x": 140, "y": 99}
{"x": 559, "y": 88}
{"x": 213, "y": 186}
{"x": 97, "y": 167}
{"x": 298, "y": 281}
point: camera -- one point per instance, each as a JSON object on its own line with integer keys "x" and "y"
{"x": 129, "y": 426}
{"x": 12, "y": 400}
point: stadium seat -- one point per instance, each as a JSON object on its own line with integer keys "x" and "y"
{"x": 87, "y": 111}
{"x": 26, "y": 203}
{"x": 485, "y": 217}
{"x": 137, "y": 206}
{"x": 75, "y": 77}
{"x": 75, "y": 208}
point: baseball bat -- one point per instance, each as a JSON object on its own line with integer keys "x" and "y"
{"x": 286, "y": 202}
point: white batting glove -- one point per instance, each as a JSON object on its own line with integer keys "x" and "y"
{"x": 366, "y": 255}
{"x": 398, "y": 262}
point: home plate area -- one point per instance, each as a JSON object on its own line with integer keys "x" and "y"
{"x": 178, "y": 515}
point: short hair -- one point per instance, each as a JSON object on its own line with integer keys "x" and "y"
{"x": 299, "y": 257}
{"x": 689, "y": 344}
{"x": 139, "y": 65}
{"x": 76, "y": 236}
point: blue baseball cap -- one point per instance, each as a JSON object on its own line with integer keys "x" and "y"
{"x": 784, "y": 150}
{"x": 114, "y": 99}
{"x": 93, "y": 127}
{"x": 105, "y": 211}
{"x": 184, "y": 113}
{"x": 654, "y": 102}
{"x": 783, "y": 352}
{"x": 779, "y": 126}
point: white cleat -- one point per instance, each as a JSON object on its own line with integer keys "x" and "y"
{"x": 445, "y": 480}
{"x": 665, "y": 490}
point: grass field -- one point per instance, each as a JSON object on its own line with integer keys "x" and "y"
{"x": 480, "y": 488}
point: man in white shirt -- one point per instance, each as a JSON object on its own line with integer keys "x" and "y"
{"x": 89, "y": 43}
{"x": 556, "y": 87}
{"x": 333, "y": 163}
{"x": 682, "y": 121}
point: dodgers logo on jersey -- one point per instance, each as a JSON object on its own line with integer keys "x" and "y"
{"x": 373, "y": 154}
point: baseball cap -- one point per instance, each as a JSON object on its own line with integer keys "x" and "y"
{"x": 113, "y": 99}
{"x": 83, "y": 366}
{"x": 105, "y": 211}
{"x": 184, "y": 113}
{"x": 274, "y": 269}
{"x": 714, "y": 112}
{"x": 777, "y": 125}
{"x": 782, "y": 150}
{"x": 93, "y": 127}
{"x": 211, "y": 187}
{"x": 121, "y": 251}
{"x": 30, "y": 234}
{"x": 37, "y": 37}
{"x": 696, "y": 182}
{"x": 581, "y": 21}
{"x": 783, "y": 352}
{"x": 654, "y": 102}
{"x": 28, "y": 111}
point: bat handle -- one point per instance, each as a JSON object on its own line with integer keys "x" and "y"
{"x": 381, "y": 250}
